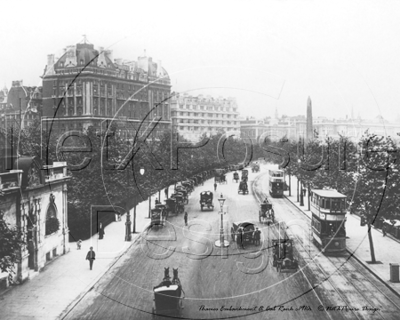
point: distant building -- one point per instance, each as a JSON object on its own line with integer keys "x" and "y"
{"x": 194, "y": 116}
{"x": 35, "y": 201}
{"x": 22, "y": 105}
{"x": 85, "y": 87}
{"x": 272, "y": 128}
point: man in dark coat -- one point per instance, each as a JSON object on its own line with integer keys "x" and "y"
{"x": 241, "y": 237}
{"x": 257, "y": 237}
{"x": 91, "y": 256}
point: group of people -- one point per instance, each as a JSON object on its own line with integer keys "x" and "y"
{"x": 240, "y": 237}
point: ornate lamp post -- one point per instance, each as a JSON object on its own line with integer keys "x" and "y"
{"x": 221, "y": 242}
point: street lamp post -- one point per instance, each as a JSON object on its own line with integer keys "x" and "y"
{"x": 128, "y": 236}
{"x": 221, "y": 242}
{"x": 300, "y": 188}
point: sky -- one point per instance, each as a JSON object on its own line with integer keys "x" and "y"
{"x": 269, "y": 55}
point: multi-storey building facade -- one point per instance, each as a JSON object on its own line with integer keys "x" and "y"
{"x": 85, "y": 87}
{"x": 22, "y": 105}
{"x": 35, "y": 201}
{"x": 193, "y": 116}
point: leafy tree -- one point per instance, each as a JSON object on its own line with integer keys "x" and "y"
{"x": 377, "y": 178}
{"x": 11, "y": 243}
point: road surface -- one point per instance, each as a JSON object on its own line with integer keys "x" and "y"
{"x": 217, "y": 284}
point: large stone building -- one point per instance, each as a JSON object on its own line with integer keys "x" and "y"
{"x": 272, "y": 128}
{"x": 35, "y": 201}
{"x": 22, "y": 105}
{"x": 297, "y": 128}
{"x": 194, "y": 116}
{"x": 85, "y": 87}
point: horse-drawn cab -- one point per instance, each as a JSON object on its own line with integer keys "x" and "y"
{"x": 182, "y": 191}
{"x": 243, "y": 189}
{"x": 179, "y": 202}
{"x": 236, "y": 176}
{"x": 248, "y": 230}
{"x": 284, "y": 260}
{"x": 188, "y": 185}
{"x": 168, "y": 296}
{"x": 170, "y": 205}
{"x": 180, "y": 206}
{"x": 157, "y": 217}
{"x": 206, "y": 200}
{"x": 266, "y": 213}
{"x": 220, "y": 178}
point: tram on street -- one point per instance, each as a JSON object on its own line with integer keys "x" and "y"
{"x": 328, "y": 208}
{"x": 276, "y": 183}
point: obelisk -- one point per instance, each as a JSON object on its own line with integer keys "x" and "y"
{"x": 309, "y": 129}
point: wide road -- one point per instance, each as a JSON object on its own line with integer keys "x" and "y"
{"x": 213, "y": 281}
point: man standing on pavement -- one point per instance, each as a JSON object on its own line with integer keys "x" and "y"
{"x": 91, "y": 256}
{"x": 215, "y": 186}
{"x": 257, "y": 237}
{"x": 186, "y": 218}
{"x": 241, "y": 237}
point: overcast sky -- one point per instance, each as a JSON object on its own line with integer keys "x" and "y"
{"x": 267, "y": 54}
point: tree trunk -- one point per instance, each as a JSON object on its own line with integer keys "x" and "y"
{"x": 297, "y": 189}
{"x": 371, "y": 243}
{"x": 308, "y": 191}
{"x": 290, "y": 186}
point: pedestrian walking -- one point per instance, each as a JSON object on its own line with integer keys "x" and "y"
{"x": 101, "y": 231}
{"x": 257, "y": 237}
{"x": 91, "y": 256}
{"x": 186, "y": 218}
{"x": 215, "y": 186}
{"x": 384, "y": 230}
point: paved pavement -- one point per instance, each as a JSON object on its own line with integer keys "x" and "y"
{"x": 386, "y": 248}
{"x": 64, "y": 281}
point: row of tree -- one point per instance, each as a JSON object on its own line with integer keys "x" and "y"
{"x": 366, "y": 172}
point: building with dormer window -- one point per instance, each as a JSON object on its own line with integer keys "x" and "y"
{"x": 86, "y": 86}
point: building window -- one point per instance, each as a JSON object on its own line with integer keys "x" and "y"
{"x": 52, "y": 223}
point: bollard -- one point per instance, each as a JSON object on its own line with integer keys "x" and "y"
{"x": 394, "y": 272}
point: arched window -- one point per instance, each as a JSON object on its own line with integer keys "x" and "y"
{"x": 52, "y": 223}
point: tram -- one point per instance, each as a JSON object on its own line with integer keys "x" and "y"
{"x": 328, "y": 208}
{"x": 276, "y": 183}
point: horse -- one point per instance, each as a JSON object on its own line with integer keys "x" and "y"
{"x": 175, "y": 279}
{"x": 166, "y": 274}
